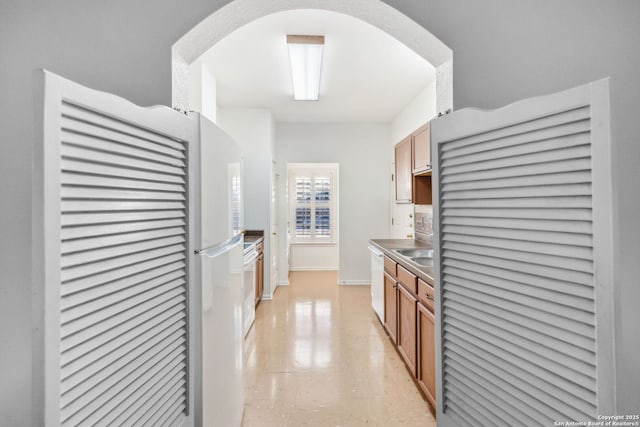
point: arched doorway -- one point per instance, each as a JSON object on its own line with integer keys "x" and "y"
{"x": 375, "y": 12}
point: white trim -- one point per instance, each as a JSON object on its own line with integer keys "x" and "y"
{"x": 313, "y": 171}
{"x": 315, "y": 268}
{"x": 604, "y": 277}
{"x": 312, "y": 245}
{"x": 354, "y": 282}
{"x": 238, "y": 13}
{"x": 283, "y": 283}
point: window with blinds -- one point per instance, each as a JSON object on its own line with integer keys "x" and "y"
{"x": 524, "y": 294}
{"x": 313, "y": 203}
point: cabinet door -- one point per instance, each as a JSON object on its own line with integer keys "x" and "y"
{"x": 403, "y": 171}
{"x": 390, "y": 308}
{"x": 422, "y": 150}
{"x": 115, "y": 291}
{"x": 259, "y": 277}
{"x": 407, "y": 327}
{"x": 426, "y": 353}
{"x": 535, "y": 183}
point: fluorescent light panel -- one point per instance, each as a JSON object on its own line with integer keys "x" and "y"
{"x": 305, "y": 58}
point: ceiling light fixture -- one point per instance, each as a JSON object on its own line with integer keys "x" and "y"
{"x": 305, "y": 57}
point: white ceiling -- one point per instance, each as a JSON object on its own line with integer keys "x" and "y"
{"x": 367, "y": 75}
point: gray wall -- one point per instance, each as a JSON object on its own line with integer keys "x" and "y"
{"x": 362, "y": 151}
{"x": 503, "y": 51}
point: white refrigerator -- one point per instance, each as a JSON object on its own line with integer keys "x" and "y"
{"x": 219, "y": 253}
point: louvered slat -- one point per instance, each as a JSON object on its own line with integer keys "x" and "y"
{"x": 557, "y": 249}
{"x": 102, "y": 181}
{"x": 110, "y": 240}
{"x": 121, "y": 160}
{"x": 123, "y": 260}
{"x": 125, "y": 220}
{"x": 88, "y": 282}
{"x": 108, "y": 394}
{"x": 123, "y": 129}
{"x": 90, "y": 142}
{"x": 550, "y": 294}
{"x": 550, "y": 121}
{"x": 158, "y": 275}
{"x": 169, "y": 378}
{"x": 517, "y": 294}
{"x": 115, "y": 170}
{"x": 543, "y": 379}
{"x": 89, "y": 377}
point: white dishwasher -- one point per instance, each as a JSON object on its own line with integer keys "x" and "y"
{"x": 377, "y": 281}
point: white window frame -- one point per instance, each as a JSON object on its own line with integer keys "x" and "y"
{"x": 312, "y": 170}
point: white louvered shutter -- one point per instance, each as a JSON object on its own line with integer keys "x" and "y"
{"x": 116, "y": 251}
{"x": 524, "y": 290}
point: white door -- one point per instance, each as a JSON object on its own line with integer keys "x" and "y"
{"x": 524, "y": 281}
{"x": 113, "y": 265}
{"x": 275, "y": 267}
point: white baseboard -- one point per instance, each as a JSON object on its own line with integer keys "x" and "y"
{"x": 354, "y": 282}
{"x": 313, "y": 268}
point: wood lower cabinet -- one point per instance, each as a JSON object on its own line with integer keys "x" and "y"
{"x": 407, "y": 327}
{"x": 390, "y": 306}
{"x": 426, "y": 346}
{"x": 410, "y": 323}
{"x": 259, "y": 274}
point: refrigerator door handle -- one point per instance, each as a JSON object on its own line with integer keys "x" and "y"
{"x": 215, "y": 250}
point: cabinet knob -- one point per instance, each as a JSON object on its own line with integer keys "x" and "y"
{"x": 427, "y": 296}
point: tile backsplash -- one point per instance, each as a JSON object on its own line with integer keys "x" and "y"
{"x": 424, "y": 219}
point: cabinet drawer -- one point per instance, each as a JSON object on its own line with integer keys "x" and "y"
{"x": 408, "y": 279}
{"x": 426, "y": 294}
{"x": 390, "y": 266}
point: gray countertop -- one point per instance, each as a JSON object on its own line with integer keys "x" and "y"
{"x": 387, "y": 246}
{"x": 253, "y": 237}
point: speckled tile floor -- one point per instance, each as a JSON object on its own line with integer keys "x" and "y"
{"x": 318, "y": 356}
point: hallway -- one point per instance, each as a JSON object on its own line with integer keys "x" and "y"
{"x": 318, "y": 356}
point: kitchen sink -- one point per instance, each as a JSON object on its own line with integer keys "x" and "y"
{"x": 423, "y": 261}
{"x": 416, "y": 253}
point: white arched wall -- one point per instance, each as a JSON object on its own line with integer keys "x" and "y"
{"x": 377, "y": 13}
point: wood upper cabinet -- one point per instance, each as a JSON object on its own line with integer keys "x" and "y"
{"x": 407, "y": 328}
{"x": 390, "y": 307}
{"x": 426, "y": 347}
{"x": 413, "y": 168}
{"x": 422, "y": 150}
{"x": 404, "y": 176}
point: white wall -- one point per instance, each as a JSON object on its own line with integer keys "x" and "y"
{"x": 253, "y": 131}
{"x": 314, "y": 257}
{"x": 419, "y": 111}
{"x": 361, "y": 150}
{"x": 504, "y": 51}
{"x": 202, "y": 91}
